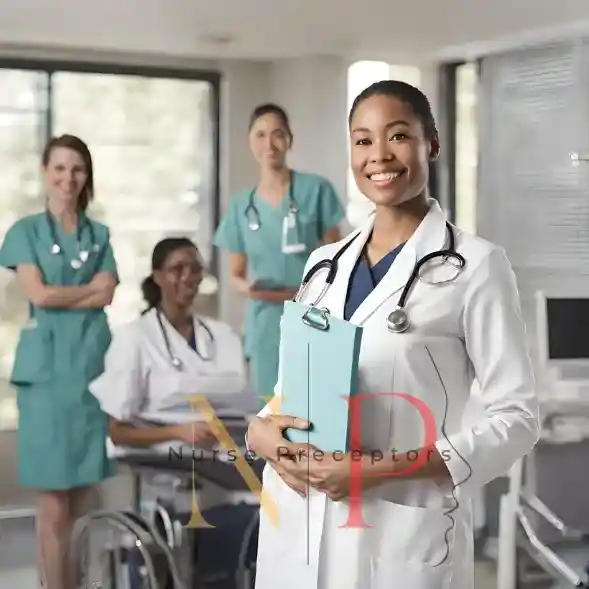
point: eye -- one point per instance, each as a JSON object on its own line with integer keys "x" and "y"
{"x": 398, "y": 137}
{"x": 363, "y": 142}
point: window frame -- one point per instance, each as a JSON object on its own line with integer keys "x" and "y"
{"x": 448, "y": 92}
{"x": 446, "y": 180}
{"x": 213, "y": 77}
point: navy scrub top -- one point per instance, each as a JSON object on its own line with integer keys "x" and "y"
{"x": 192, "y": 340}
{"x": 364, "y": 279}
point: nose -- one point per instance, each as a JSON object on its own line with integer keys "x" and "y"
{"x": 190, "y": 274}
{"x": 186, "y": 274}
{"x": 269, "y": 144}
{"x": 380, "y": 152}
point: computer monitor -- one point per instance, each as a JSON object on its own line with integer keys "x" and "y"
{"x": 562, "y": 328}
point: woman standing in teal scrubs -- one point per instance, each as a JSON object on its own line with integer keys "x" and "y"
{"x": 269, "y": 231}
{"x": 66, "y": 267}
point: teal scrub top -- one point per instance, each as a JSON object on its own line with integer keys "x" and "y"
{"x": 59, "y": 343}
{"x": 319, "y": 210}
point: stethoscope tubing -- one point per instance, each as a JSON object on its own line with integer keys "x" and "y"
{"x": 252, "y": 208}
{"x": 55, "y": 246}
{"x": 174, "y": 360}
{"x": 332, "y": 267}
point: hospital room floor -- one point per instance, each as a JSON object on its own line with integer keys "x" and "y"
{"x": 17, "y": 559}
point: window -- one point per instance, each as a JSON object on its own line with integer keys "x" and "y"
{"x": 154, "y": 143}
{"x": 360, "y": 75}
{"x": 466, "y": 142}
{"x": 459, "y": 93}
{"x": 23, "y": 128}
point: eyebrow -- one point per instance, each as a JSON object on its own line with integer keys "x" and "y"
{"x": 388, "y": 126}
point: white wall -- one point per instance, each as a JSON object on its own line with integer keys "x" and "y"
{"x": 244, "y": 86}
{"x": 314, "y": 92}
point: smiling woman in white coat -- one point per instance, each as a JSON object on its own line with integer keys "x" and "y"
{"x": 418, "y": 531}
{"x": 168, "y": 354}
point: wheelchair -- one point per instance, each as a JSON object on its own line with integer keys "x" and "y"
{"x": 158, "y": 550}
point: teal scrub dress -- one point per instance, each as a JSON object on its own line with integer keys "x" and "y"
{"x": 319, "y": 210}
{"x": 62, "y": 431}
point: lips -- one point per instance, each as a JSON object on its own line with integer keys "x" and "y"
{"x": 386, "y": 180}
{"x": 67, "y": 189}
{"x": 384, "y": 176}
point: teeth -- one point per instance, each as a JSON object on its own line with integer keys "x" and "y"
{"x": 390, "y": 176}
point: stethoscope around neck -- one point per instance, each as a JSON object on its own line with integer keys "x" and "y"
{"x": 398, "y": 320}
{"x": 82, "y": 254}
{"x": 174, "y": 360}
{"x": 252, "y": 214}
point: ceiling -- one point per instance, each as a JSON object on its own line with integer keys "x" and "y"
{"x": 261, "y": 29}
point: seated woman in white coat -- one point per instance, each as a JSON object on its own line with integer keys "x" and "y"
{"x": 371, "y": 519}
{"x": 168, "y": 354}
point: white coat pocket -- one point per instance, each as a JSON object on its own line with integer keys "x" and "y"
{"x": 415, "y": 547}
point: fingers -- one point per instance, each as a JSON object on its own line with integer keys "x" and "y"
{"x": 297, "y": 485}
{"x": 286, "y": 421}
{"x": 207, "y": 443}
{"x": 335, "y": 494}
{"x": 295, "y": 469}
{"x": 289, "y": 451}
{"x": 204, "y": 436}
{"x": 297, "y": 476}
{"x": 300, "y": 452}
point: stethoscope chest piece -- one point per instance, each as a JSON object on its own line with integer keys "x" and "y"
{"x": 83, "y": 255}
{"x": 177, "y": 363}
{"x": 398, "y": 321}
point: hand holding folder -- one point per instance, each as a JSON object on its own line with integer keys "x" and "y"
{"x": 319, "y": 368}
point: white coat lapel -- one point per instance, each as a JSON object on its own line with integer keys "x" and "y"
{"x": 339, "y": 289}
{"x": 178, "y": 345}
{"x": 429, "y": 237}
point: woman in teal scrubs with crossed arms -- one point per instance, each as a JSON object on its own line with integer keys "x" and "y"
{"x": 269, "y": 232}
{"x": 66, "y": 267}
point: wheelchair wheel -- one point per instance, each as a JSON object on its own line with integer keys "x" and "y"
{"x": 245, "y": 576}
{"x": 136, "y": 557}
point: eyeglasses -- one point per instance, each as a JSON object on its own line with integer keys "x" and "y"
{"x": 184, "y": 268}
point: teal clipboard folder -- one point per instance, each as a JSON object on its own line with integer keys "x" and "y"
{"x": 319, "y": 373}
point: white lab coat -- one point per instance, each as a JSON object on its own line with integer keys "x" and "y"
{"x": 139, "y": 378}
{"x": 472, "y": 328}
